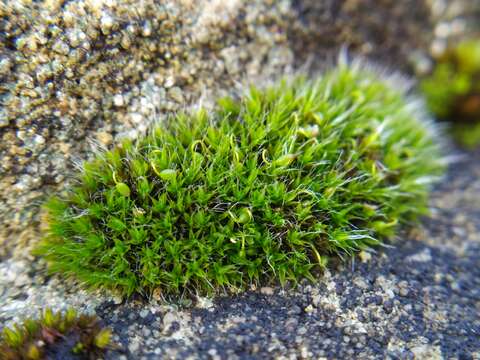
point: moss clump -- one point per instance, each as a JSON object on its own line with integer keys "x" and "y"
{"x": 467, "y": 134}
{"x": 263, "y": 188}
{"x": 452, "y": 90}
{"x": 55, "y": 335}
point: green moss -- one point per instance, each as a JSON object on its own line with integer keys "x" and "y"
{"x": 55, "y": 335}
{"x": 452, "y": 90}
{"x": 263, "y": 188}
{"x": 467, "y": 134}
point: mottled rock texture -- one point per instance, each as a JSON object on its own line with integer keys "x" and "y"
{"x": 386, "y": 31}
{"x": 454, "y": 21}
{"x": 77, "y": 73}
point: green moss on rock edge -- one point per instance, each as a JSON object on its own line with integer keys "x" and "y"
{"x": 261, "y": 189}
{"x": 55, "y": 335}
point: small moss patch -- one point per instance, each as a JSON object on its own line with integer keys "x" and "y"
{"x": 452, "y": 90}
{"x": 55, "y": 336}
{"x": 266, "y": 187}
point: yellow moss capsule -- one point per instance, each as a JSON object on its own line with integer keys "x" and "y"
{"x": 168, "y": 174}
{"x": 33, "y": 353}
{"x": 103, "y": 338}
{"x": 123, "y": 189}
{"x": 284, "y": 160}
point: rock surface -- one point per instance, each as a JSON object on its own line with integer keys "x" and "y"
{"x": 385, "y": 31}
{"x": 418, "y": 299}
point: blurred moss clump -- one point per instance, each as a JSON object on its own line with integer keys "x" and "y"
{"x": 452, "y": 90}
{"x": 55, "y": 335}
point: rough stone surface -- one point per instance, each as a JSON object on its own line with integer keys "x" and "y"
{"x": 79, "y": 74}
{"x": 416, "y": 299}
{"x": 386, "y": 31}
{"x": 453, "y": 21}
{"x": 399, "y": 34}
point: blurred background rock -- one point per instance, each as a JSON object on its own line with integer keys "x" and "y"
{"x": 450, "y": 74}
{"x": 78, "y": 74}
